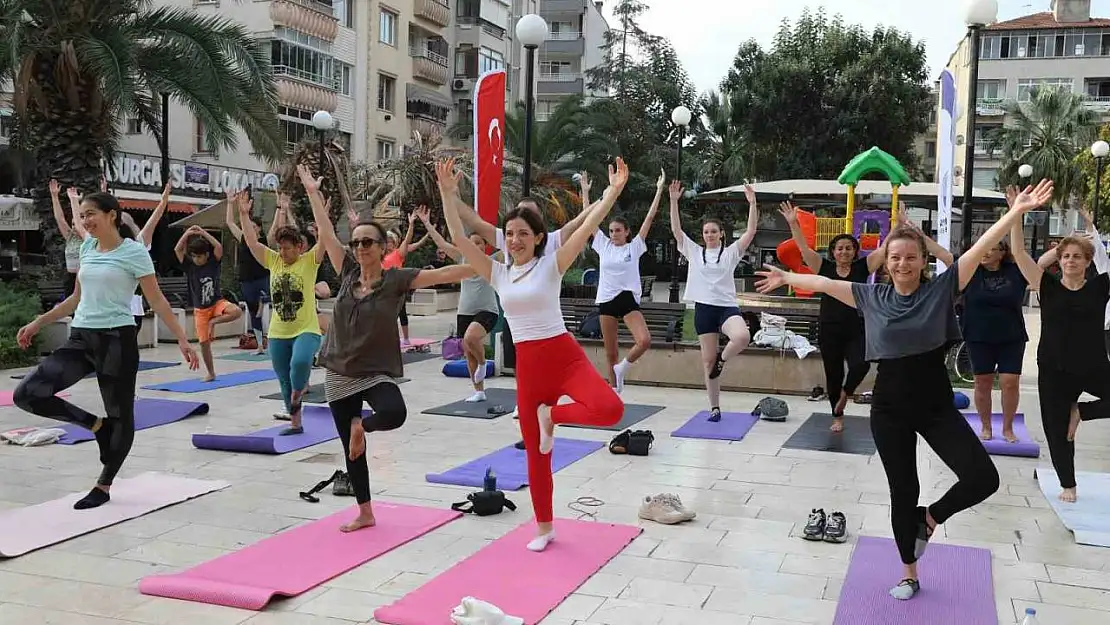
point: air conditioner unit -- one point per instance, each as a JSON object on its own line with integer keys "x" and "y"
{"x": 460, "y": 84}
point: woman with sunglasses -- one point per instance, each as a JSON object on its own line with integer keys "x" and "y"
{"x": 362, "y": 353}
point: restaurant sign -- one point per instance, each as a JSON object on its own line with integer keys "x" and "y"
{"x": 146, "y": 173}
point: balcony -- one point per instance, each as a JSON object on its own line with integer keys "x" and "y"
{"x": 990, "y": 107}
{"x": 562, "y": 83}
{"x": 1099, "y": 104}
{"x": 305, "y": 16}
{"x": 565, "y": 43}
{"x": 298, "y": 94}
{"x": 434, "y": 11}
{"x": 428, "y": 65}
{"x": 557, "y": 7}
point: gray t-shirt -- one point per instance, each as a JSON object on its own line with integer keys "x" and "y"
{"x": 896, "y": 326}
{"x": 476, "y": 296}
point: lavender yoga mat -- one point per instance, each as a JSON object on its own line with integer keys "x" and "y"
{"x": 510, "y": 466}
{"x": 225, "y": 380}
{"x": 733, "y": 426}
{"x": 149, "y": 413}
{"x": 956, "y": 586}
{"x": 1025, "y": 447}
{"x": 318, "y": 427}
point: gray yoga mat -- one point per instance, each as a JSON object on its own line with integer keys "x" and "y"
{"x": 501, "y": 400}
{"x": 315, "y": 393}
{"x": 814, "y": 435}
{"x": 633, "y": 414}
{"x": 410, "y": 358}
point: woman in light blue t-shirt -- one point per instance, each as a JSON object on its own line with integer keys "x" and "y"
{"x": 102, "y": 339}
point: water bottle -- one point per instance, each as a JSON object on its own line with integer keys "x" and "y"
{"x": 1030, "y": 617}
{"x": 490, "y": 482}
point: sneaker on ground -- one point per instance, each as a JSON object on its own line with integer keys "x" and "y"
{"x": 675, "y": 502}
{"x": 836, "y": 528}
{"x": 478, "y": 396}
{"x": 817, "y": 394}
{"x": 815, "y": 526}
{"x": 658, "y": 510}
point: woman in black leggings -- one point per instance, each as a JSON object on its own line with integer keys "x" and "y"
{"x": 362, "y": 353}
{"x": 102, "y": 340}
{"x": 909, "y": 324}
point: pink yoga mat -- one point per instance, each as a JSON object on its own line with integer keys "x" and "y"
{"x": 524, "y": 584}
{"x": 296, "y": 560}
{"x": 7, "y": 398}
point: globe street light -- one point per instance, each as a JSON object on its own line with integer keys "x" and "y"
{"x": 1025, "y": 171}
{"x": 531, "y": 30}
{"x": 323, "y": 122}
{"x": 979, "y": 13}
{"x": 1099, "y": 150}
{"x": 681, "y": 118}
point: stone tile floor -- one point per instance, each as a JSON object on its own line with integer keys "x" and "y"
{"x": 739, "y": 563}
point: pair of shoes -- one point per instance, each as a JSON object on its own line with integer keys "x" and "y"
{"x": 665, "y": 508}
{"x": 636, "y": 443}
{"x": 863, "y": 398}
{"x": 817, "y": 394}
{"x": 831, "y": 529}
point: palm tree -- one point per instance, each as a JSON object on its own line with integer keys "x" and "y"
{"x": 720, "y": 151}
{"x": 1047, "y": 132}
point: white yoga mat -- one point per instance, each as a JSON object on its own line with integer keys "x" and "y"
{"x": 1089, "y": 517}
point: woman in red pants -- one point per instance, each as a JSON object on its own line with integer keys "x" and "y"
{"x": 550, "y": 363}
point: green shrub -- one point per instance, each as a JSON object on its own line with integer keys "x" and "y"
{"x": 18, "y": 307}
{"x": 573, "y": 276}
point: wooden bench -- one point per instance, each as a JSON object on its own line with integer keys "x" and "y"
{"x": 664, "y": 321}
{"x": 801, "y": 314}
{"x": 176, "y": 290}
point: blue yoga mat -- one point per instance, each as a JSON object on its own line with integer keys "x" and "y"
{"x": 317, "y": 423}
{"x": 222, "y": 381}
{"x": 510, "y": 466}
{"x": 246, "y": 357}
{"x": 458, "y": 369}
{"x": 144, "y": 365}
{"x": 149, "y": 413}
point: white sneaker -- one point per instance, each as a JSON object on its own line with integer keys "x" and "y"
{"x": 675, "y": 502}
{"x": 480, "y": 373}
{"x": 659, "y": 510}
{"x": 471, "y": 611}
{"x": 476, "y": 397}
{"x": 539, "y": 543}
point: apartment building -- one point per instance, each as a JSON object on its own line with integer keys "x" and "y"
{"x": 485, "y": 39}
{"x": 1063, "y": 48}
{"x": 925, "y": 145}
{"x": 576, "y": 36}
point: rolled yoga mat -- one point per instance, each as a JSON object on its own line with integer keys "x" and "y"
{"x": 1087, "y": 519}
{"x": 317, "y": 423}
{"x": 298, "y": 559}
{"x": 144, "y": 365}
{"x": 1025, "y": 447}
{"x": 226, "y": 380}
{"x": 814, "y": 435}
{"x": 501, "y": 401}
{"x": 504, "y": 573}
{"x": 149, "y": 413}
{"x": 956, "y": 586}
{"x": 510, "y": 466}
{"x": 25, "y": 529}
{"x": 733, "y": 426}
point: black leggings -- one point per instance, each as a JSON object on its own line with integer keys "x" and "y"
{"x": 403, "y": 316}
{"x": 840, "y": 343}
{"x": 912, "y": 396}
{"x": 1058, "y": 391}
{"x": 389, "y": 413}
{"x": 114, "y": 356}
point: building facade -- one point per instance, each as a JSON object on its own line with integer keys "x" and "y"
{"x": 575, "y": 44}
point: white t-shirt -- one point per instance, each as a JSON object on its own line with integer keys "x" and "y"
{"x": 551, "y": 242}
{"x": 137, "y": 309}
{"x": 710, "y": 281}
{"x": 531, "y": 303}
{"x": 620, "y": 267}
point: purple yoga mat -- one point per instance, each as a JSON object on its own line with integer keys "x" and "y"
{"x": 149, "y": 413}
{"x": 733, "y": 426}
{"x": 510, "y": 467}
{"x": 956, "y": 586}
{"x": 1025, "y": 447}
{"x": 318, "y": 427}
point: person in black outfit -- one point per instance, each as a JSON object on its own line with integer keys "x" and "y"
{"x": 1071, "y": 358}
{"x": 254, "y": 279}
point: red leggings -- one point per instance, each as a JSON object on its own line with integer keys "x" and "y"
{"x": 546, "y": 370}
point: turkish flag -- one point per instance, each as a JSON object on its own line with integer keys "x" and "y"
{"x": 489, "y": 143}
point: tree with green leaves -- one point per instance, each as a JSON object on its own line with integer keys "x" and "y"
{"x": 721, "y": 152}
{"x": 1088, "y": 168}
{"x": 824, "y": 92}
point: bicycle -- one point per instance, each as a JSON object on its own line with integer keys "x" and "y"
{"x": 959, "y": 363}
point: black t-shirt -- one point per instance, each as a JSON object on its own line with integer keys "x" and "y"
{"x": 992, "y": 306}
{"x": 1072, "y": 323}
{"x": 204, "y": 282}
{"x": 832, "y": 309}
{"x": 249, "y": 268}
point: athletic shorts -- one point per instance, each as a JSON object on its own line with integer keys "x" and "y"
{"x": 708, "y": 319}
{"x": 619, "y": 306}
{"x": 201, "y": 316}
{"x": 996, "y": 357}
{"x": 485, "y": 318}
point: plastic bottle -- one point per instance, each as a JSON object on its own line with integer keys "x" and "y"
{"x": 1030, "y": 617}
{"x": 490, "y": 482}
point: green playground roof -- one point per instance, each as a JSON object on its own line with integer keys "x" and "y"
{"x": 871, "y": 161}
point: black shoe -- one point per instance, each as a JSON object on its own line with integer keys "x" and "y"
{"x": 715, "y": 415}
{"x": 718, "y": 366}
{"x": 815, "y": 526}
{"x": 836, "y": 528}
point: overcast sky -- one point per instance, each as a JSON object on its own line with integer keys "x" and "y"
{"x": 707, "y": 33}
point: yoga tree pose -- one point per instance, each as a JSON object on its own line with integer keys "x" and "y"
{"x": 711, "y": 286}
{"x": 102, "y": 339}
{"x": 550, "y": 363}
{"x": 362, "y": 353}
{"x": 71, "y": 231}
{"x": 1071, "y": 359}
{"x": 908, "y": 325}
{"x": 201, "y": 256}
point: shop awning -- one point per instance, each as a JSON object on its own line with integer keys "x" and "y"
{"x": 420, "y": 93}
{"x": 143, "y": 200}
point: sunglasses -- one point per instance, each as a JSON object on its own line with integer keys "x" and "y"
{"x": 365, "y": 243}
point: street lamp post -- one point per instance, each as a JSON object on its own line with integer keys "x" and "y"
{"x": 164, "y": 142}
{"x": 681, "y": 118}
{"x": 531, "y": 30}
{"x": 323, "y": 122}
{"x": 1099, "y": 150}
{"x": 979, "y": 14}
{"x": 1025, "y": 172}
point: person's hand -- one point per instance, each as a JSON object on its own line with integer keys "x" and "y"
{"x": 103, "y": 184}
{"x": 244, "y": 202}
{"x": 352, "y": 217}
{"x": 749, "y": 193}
{"x": 27, "y": 334}
{"x": 189, "y": 354}
{"x": 771, "y": 278}
{"x": 311, "y": 185}
{"x": 423, "y": 214}
{"x": 412, "y": 217}
{"x": 283, "y": 201}
{"x": 74, "y": 194}
{"x": 447, "y": 177}
{"x": 675, "y": 190}
{"x": 327, "y": 206}
{"x": 661, "y": 183}
{"x": 584, "y": 182}
{"x": 55, "y": 188}
{"x": 789, "y": 212}
{"x": 1033, "y": 197}
{"x": 1086, "y": 215}
{"x": 618, "y": 174}
{"x": 1011, "y": 195}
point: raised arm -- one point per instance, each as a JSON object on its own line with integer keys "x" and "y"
{"x": 746, "y": 239}
{"x": 327, "y": 242}
{"x": 1031, "y": 271}
{"x": 217, "y": 247}
{"x": 469, "y": 216}
{"x": 229, "y": 218}
{"x": 64, "y": 227}
{"x": 279, "y": 219}
{"x": 249, "y": 235}
{"x": 660, "y": 186}
{"x": 448, "y": 180}
{"x": 811, "y": 258}
{"x": 444, "y": 275}
{"x": 423, "y": 215}
{"x": 75, "y": 209}
{"x": 403, "y": 248}
{"x": 1028, "y": 200}
{"x": 146, "y": 235}
{"x": 774, "y": 278}
{"x": 573, "y": 225}
{"x": 572, "y": 247}
{"x": 424, "y": 239}
{"x": 183, "y": 243}
{"x": 675, "y": 192}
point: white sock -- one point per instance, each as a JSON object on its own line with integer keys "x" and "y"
{"x": 480, "y": 373}
{"x": 618, "y": 371}
{"x": 539, "y": 543}
{"x": 547, "y": 442}
{"x": 476, "y": 397}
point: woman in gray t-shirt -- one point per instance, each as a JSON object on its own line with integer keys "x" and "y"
{"x": 908, "y": 326}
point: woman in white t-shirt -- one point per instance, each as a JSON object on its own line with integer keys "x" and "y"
{"x": 550, "y": 363}
{"x": 618, "y": 285}
{"x": 711, "y": 286}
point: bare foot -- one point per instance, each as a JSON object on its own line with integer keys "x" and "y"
{"x": 1073, "y": 425}
{"x": 1009, "y": 436}
{"x": 358, "y": 441}
{"x": 837, "y": 425}
{"x": 986, "y": 434}
{"x": 839, "y": 410}
{"x": 1068, "y": 495}
{"x": 360, "y": 522}
{"x": 210, "y": 378}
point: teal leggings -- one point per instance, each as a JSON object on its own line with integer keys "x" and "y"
{"x": 292, "y": 360}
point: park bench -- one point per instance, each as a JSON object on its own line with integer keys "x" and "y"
{"x": 664, "y": 321}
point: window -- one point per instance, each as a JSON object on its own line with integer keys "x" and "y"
{"x": 550, "y": 68}
{"x": 991, "y": 90}
{"x": 468, "y": 10}
{"x": 302, "y": 62}
{"x": 1025, "y": 86}
{"x": 985, "y": 178}
{"x": 387, "y": 28}
{"x": 6, "y": 123}
{"x": 345, "y": 78}
{"x": 489, "y": 60}
{"x": 344, "y": 11}
{"x": 200, "y": 139}
{"x": 385, "y": 149}
{"x": 466, "y": 62}
{"x": 930, "y": 149}
{"x": 387, "y": 92}
{"x": 134, "y": 126}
